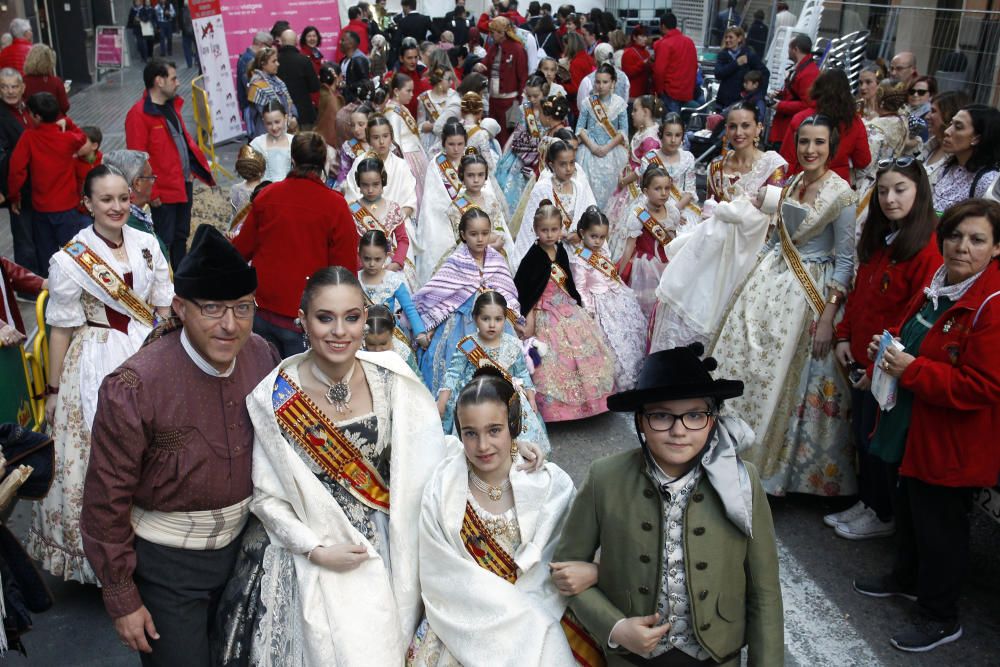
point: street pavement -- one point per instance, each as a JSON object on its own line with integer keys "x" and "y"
{"x": 826, "y": 622}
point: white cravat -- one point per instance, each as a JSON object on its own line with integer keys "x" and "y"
{"x": 200, "y": 361}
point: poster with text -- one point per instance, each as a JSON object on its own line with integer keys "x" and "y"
{"x": 245, "y": 19}
{"x": 217, "y": 67}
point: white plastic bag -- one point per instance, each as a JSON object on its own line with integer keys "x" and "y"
{"x": 885, "y": 386}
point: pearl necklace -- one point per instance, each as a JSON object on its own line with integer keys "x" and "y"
{"x": 338, "y": 394}
{"x": 495, "y": 493}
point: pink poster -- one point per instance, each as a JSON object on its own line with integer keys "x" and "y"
{"x": 244, "y": 18}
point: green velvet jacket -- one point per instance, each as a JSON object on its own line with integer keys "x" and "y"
{"x": 732, "y": 580}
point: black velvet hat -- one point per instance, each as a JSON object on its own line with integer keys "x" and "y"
{"x": 671, "y": 375}
{"x": 213, "y": 269}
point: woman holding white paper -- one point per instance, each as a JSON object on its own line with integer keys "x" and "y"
{"x": 943, "y": 425}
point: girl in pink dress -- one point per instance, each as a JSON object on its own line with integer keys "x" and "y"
{"x": 608, "y": 299}
{"x": 645, "y": 112}
{"x": 577, "y": 371}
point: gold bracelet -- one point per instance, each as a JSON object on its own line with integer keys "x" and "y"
{"x": 833, "y": 299}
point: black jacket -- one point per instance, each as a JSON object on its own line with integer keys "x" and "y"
{"x": 358, "y": 68}
{"x": 298, "y": 73}
{"x": 10, "y": 131}
{"x": 729, "y": 74}
{"x": 414, "y": 25}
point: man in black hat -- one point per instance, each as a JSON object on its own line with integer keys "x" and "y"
{"x": 688, "y": 571}
{"x": 168, "y": 487}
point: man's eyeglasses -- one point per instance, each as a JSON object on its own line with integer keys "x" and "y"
{"x": 664, "y": 421}
{"x": 243, "y": 310}
{"x": 151, "y": 177}
{"x": 919, "y": 91}
{"x": 902, "y": 162}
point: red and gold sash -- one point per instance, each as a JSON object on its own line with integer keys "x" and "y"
{"x": 325, "y": 444}
{"x": 494, "y": 559}
{"x": 407, "y": 117}
{"x": 463, "y": 204}
{"x": 559, "y": 276}
{"x": 599, "y": 262}
{"x": 429, "y": 106}
{"x": 601, "y": 114}
{"x": 479, "y": 357}
{"x": 365, "y": 220}
{"x": 531, "y": 121}
{"x": 794, "y": 260}
{"x": 567, "y": 218}
{"x": 452, "y": 183}
{"x": 653, "y": 226}
{"x": 357, "y": 148}
{"x": 110, "y": 282}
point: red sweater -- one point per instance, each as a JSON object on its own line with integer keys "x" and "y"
{"x": 47, "y": 84}
{"x": 579, "y": 67}
{"x": 15, "y": 54}
{"x": 50, "y": 153}
{"x": 952, "y": 439}
{"x": 675, "y": 66}
{"x": 635, "y": 64}
{"x": 882, "y": 293}
{"x": 294, "y": 228}
{"x": 852, "y": 151}
{"x": 513, "y": 65}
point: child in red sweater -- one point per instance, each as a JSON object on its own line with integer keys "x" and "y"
{"x": 47, "y": 153}
{"x": 87, "y": 158}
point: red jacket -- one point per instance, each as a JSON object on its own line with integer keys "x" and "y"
{"x": 852, "y": 151}
{"x": 50, "y": 153}
{"x": 513, "y": 65}
{"x": 15, "y": 54}
{"x": 952, "y": 439}
{"x": 47, "y": 84}
{"x": 580, "y": 66}
{"x": 794, "y": 97}
{"x": 146, "y": 130}
{"x": 358, "y": 27}
{"x": 15, "y": 277}
{"x": 294, "y": 228}
{"x": 882, "y": 293}
{"x": 635, "y": 64}
{"x": 675, "y": 66}
{"x": 82, "y": 168}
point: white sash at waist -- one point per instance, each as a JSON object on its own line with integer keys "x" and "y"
{"x": 204, "y": 530}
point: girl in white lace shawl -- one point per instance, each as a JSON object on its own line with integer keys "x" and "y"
{"x": 477, "y": 616}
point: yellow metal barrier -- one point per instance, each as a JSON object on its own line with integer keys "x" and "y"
{"x": 203, "y": 123}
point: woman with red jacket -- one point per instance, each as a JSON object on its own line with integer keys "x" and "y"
{"x": 295, "y": 228}
{"x": 944, "y": 423}
{"x": 506, "y": 68}
{"x": 832, "y": 97}
{"x": 897, "y": 255}
{"x": 636, "y": 63}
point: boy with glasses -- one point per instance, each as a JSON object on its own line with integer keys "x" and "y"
{"x": 688, "y": 570}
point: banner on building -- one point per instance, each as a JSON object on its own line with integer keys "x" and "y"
{"x": 217, "y": 67}
{"x": 246, "y": 18}
{"x": 109, "y": 47}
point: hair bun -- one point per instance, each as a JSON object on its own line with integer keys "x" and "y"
{"x": 545, "y": 202}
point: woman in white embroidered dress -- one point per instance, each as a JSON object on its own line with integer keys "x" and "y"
{"x": 435, "y": 107}
{"x": 92, "y": 332}
{"x": 709, "y": 261}
{"x": 436, "y": 238}
{"x": 778, "y": 333}
{"x": 478, "y": 506}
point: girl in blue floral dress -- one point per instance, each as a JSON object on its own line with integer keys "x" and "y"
{"x": 603, "y": 132}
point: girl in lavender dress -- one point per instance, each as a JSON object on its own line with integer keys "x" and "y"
{"x": 445, "y": 302}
